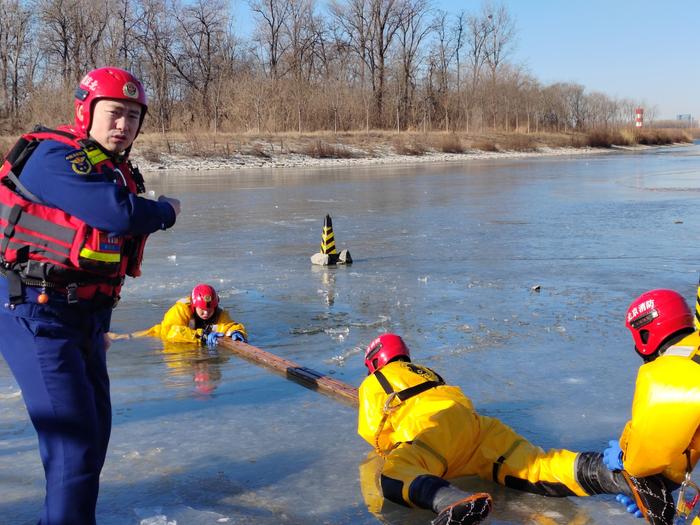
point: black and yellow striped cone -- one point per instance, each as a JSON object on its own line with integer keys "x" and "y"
{"x": 328, "y": 254}
{"x": 327, "y": 237}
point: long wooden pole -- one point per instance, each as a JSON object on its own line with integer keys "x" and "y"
{"x": 305, "y": 376}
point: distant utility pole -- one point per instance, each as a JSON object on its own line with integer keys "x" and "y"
{"x": 686, "y": 119}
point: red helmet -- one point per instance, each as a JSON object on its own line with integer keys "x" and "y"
{"x": 656, "y": 315}
{"x": 383, "y": 349}
{"x": 204, "y": 296}
{"x": 106, "y": 82}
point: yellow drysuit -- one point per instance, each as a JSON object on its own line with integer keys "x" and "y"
{"x": 181, "y": 325}
{"x": 370, "y": 472}
{"x": 437, "y": 432}
{"x": 665, "y": 414}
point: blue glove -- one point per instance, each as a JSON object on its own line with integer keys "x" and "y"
{"x": 213, "y": 338}
{"x": 612, "y": 456}
{"x": 630, "y": 505}
{"x": 238, "y": 336}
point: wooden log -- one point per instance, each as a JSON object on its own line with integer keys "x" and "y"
{"x": 305, "y": 376}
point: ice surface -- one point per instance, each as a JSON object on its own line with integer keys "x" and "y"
{"x": 446, "y": 255}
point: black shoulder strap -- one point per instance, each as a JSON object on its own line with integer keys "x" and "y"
{"x": 417, "y": 389}
{"x": 26, "y": 144}
{"x": 20, "y": 152}
{"x": 17, "y": 157}
{"x": 384, "y": 382}
{"x": 409, "y": 392}
{"x": 43, "y": 129}
{"x": 137, "y": 178}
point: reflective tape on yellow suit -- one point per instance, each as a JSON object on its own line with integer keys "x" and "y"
{"x": 439, "y": 434}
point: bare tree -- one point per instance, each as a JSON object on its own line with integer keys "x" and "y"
{"x": 17, "y": 61}
{"x": 602, "y": 110}
{"x": 460, "y": 33}
{"x": 271, "y": 16}
{"x": 577, "y": 104}
{"x": 202, "y": 32}
{"x": 530, "y": 92}
{"x": 369, "y": 27}
{"x": 302, "y": 35}
{"x": 478, "y": 30}
{"x": 121, "y": 38}
{"x": 351, "y": 25}
{"x": 73, "y": 32}
{"x": 155, "y": 33}
{"x": 500, "y": 39}
{"x": 443, "y": 52}
{"x": 413, "y": 28}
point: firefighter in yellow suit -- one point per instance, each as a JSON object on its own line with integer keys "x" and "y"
{"x": 197, "y": 318}
{"x": 663, "y": 435}
{"x": 429, "y": 432}
{"x": 369, "y": 474}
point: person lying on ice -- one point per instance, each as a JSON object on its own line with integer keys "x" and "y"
{"x": 197, "y": 318}
{"x": 663, "y": 435}
{"x": 429, "y": 432}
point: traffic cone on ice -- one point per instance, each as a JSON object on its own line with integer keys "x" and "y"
{"x": 328, "y": 237}
{"x": 328, "y": 254}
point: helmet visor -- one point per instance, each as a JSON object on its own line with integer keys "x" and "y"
{"x": 644, "y": 319}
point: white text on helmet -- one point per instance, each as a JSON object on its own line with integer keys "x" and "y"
{"x": 89, "y": 83}
{"x": 373, "y": 348}
{"x": 640, "y": 309}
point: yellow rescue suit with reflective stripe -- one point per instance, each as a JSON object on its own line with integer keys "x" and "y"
{"x": 178, "y": 323}
{"x": 369, "y": 472}
{"x": 665, "y": 414}
{"x": 438, "y": 432}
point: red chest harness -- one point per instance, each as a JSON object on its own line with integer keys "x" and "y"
{"x": 46, "y": 247}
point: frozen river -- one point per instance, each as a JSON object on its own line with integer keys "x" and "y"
{"x": 447, "y": 256}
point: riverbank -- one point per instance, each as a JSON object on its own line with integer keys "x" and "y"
{"x": 174, "y": 162}
{"x": 155, "y": 153}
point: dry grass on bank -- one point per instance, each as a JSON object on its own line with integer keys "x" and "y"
{"x": 319, "y": 149}
{"x": 153, "y": 147}
{"x": 605, "y": 138}
{"x": 345, "y": 144}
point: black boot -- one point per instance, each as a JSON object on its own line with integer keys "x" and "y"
{"x": 653, "y": 494}
{"x": 654, "y": 497}
{"x": 463, "y": 508}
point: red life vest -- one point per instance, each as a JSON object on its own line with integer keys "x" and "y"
{"x": 46, "y": 246}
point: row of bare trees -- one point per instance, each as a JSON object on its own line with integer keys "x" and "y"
{"x": 357, "y": 64}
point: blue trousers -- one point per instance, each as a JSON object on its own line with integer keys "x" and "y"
{"x": 56, "y": 353}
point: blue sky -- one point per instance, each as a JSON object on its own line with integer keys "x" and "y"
{"x": 643, "y": 50}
